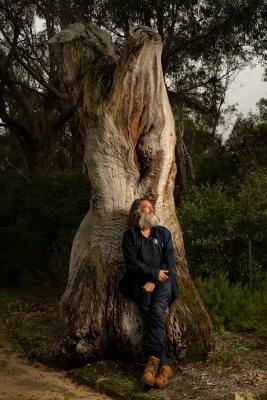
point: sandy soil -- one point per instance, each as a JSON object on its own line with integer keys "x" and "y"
{"x": 25, "y": 380}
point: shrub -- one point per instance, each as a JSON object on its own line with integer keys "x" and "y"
{"x": 220, "y": 229}
{"x": 38, "y": 221}
{"x": 234, "y": 306}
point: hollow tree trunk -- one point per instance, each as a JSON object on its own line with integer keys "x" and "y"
{"x": 129, "y": 153}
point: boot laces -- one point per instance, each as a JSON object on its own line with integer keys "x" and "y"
{"x": 152, "y": 365}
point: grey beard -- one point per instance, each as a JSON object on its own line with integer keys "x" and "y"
{"x": 148, "y": 220}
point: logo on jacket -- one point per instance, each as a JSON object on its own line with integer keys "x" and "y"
{"x": 155, "y": 241}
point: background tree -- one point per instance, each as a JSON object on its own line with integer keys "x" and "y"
{"x": 204, "y": 44}
{"x": 224, "y": 209}
{"x": 32, "y": 105}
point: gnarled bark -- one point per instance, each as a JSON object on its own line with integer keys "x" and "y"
{"x": 129, "y": 153}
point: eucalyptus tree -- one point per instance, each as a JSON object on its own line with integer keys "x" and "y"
{"x": 130, "y": 140}
{"x": 32, "y": 105}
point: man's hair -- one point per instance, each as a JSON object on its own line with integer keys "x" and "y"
{"x": 133, "y": 216}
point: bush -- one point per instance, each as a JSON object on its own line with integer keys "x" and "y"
{"x": 233, "y": 306}
{"x": 220, "y": 228}
{"x": 38, "y": 221}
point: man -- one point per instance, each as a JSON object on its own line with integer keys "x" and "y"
{"x": 150, "y": 281}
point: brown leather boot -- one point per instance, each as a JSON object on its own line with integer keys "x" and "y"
{"x": 149, "y": 373}
{"x": 165, "y": 372}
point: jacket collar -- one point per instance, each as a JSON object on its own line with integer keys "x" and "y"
{"x": 137, "y": 227}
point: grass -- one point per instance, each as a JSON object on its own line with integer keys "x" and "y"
{"x": 227, "y": 347}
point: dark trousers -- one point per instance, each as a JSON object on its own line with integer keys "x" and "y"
{"x": 153, "y": 307}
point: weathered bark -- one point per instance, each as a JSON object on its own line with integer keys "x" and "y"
{"x": 129, "y": 152}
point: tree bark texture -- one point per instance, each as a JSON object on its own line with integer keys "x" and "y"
{"x": 129, "y": 153}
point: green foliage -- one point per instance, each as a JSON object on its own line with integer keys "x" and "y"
{"x": 224, "y": 222}
{"x": 201, "y": 40}
{"x": 210, "y": 159}
{"x": 243, "y": 153}
{"x": 38, "y": 221}
{"x": 219, "y": 227}
{"x": 234, "y": 306}
{"x": 11, "y": 155}
{"x": 247, "y": 146}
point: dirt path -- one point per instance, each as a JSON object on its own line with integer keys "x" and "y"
{"x": 25, "y": 380}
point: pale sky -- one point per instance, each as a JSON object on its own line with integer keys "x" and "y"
{"x": 246, "y": 90}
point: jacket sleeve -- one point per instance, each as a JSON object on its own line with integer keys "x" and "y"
{"x": 138, "y": 267}
{"x": 168, "y": 252}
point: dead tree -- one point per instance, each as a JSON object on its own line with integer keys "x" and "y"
{"x": 129, "y": 153}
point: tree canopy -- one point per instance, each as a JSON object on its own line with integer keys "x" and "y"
{"x": 204, "y": 44}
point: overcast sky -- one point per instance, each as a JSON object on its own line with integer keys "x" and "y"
{"x": 246, "y": 90}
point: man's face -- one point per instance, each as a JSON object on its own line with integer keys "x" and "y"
{"x": 146, "y": 207}
{"x": 147, "y": 218}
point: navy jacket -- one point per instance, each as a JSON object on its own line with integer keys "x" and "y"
{"x": 136, "y": 270}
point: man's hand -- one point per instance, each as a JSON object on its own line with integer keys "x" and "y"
{"x": 163, "y": 275}
{"x": 149, "y": 287}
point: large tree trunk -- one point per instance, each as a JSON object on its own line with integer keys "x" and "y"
{"x": 129, "y": 153}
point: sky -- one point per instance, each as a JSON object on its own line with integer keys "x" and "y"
{"x": 247, "y": 89}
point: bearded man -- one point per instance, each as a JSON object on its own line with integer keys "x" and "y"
{"x": 150, "y": 281}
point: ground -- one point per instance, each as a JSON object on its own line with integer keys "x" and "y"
{"x": 25, "y": 380}
{"x": 235, "y": 369}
